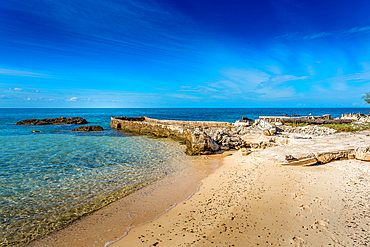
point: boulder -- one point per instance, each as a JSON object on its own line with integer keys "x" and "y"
{"x": 61, "y": 120}
{"x": 362, "y": 153}
{"x": 267, "y": 128}
{"x": 89, "y": 128}
{"x": 326, "y": 157}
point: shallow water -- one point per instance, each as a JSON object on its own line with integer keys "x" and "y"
{"x": 48, "y": 180}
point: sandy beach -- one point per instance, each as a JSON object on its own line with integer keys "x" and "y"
{"x": 254, "y": 201}
{"x": 248, "y": 200}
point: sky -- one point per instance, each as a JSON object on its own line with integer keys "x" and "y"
{"x": 184, "y": 53}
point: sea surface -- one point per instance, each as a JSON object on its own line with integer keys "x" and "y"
{"x": 50, "y": 179}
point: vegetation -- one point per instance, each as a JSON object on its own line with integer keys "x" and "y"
{"x": 339, "y": 127}
{"x": 366, "y": 97}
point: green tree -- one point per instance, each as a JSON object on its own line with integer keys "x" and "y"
{"x": 366, "y": 97}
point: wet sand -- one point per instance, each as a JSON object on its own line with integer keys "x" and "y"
{"x": 253, "y": 201}
{"x": 144, "y": 205}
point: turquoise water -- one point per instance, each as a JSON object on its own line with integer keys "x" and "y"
{"x": 48, "y": 180}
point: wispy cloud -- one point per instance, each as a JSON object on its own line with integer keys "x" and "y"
{"x": 17, "y": 89}
{"x": 279, "y": 79}
{"x": 335, "y": 33}
{"x": 72, "y": 99}
{"x": 14, "y": 72}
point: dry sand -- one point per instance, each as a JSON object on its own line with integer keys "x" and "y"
{"x": 253, "y": 201}
{"x": 247, "y": 201}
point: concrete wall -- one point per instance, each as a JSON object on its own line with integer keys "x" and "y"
{"x": 163, "y": 128}
{"x": 276, "y": 119}
{"x": 190, "y": 124}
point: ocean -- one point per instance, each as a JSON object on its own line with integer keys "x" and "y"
{"x": 48, "y": 180}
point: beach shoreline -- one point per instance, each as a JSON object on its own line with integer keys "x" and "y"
{"x": 247, "y": 200}
{"x": 144, "y": 205}
{"x": 254, "y": 201}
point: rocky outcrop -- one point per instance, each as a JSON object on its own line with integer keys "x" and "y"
{"x": 61, "y": 120}
{"x": 316, "y": 121}
{"x": 294, "y": 118}
{"x": 201, "y": 137}
{"x": 362, "y": 153}
{"x": 313, "y": 130}
{"x": 267, "y": 128}
{"x": 210, "y": 137}
{"x": 89, "y": 128}
{"x": 360, "y": 118}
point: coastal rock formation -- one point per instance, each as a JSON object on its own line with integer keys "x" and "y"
{"x": 314, "y": 130}
{"x": 267, "y": 128}
{"x": 362, "y": 153}
{"x": 89, "y": 128}
{"x": 201, "y": 137}
{"x": 359, "y": 117}
{"x": 204, "y": 137}
{"x": 61, "y": 120}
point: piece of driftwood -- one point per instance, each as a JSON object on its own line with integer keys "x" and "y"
{"x": 316, "y": 121}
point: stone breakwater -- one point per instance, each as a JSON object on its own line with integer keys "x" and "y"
{"x": 205, "y": 137}
{"x": 189, "y": 131}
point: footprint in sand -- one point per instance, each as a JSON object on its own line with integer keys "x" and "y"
{"x": 318, "y": 199}
{"x": 320, "y": 224}
{"x": 298, "y": 217}
{"x": 306, "y": 208}
{"x": 297, "y": 196}
{"x": 297, "y": 241}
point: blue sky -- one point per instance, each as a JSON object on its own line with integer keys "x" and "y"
{"x": 188, "y": 53}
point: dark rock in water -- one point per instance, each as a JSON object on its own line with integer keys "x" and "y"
{"x": 89, "y": 128}
{"x": 61, "y": 120}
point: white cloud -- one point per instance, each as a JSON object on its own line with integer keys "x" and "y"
{"x": 18, "y": 89}
{"x": 72, "y": 99}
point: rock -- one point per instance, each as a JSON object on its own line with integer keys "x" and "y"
{"x": 301, "y": 162}
{"x": 267, "y": 128}
{"x": 89, "y": 128}
{"x": 289, "y": 157}
{"x": 224, "y": 148}
{"x": 61, "y": 120}
{"x": 245, "y": 152}
{"x": 212, "y": 145}
{"x": 36, "y": 131}
{"x": 326, "y": 157}
{"x": 362, "y": 153}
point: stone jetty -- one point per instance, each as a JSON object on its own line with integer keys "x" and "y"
{"x": 192, "y": 132}
{"x": 206, "y": 137}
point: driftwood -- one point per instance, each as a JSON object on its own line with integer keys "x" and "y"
{"x": 140, "y": 119}
{"x": 316, "y": 121}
